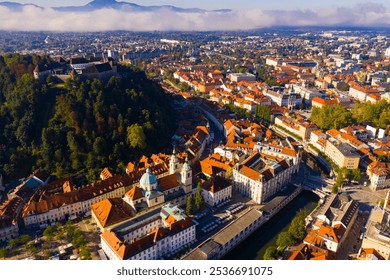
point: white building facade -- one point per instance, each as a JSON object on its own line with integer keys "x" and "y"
{"x": 40, "y": 215}
{"x": 260, "y": 184}
{"x": 170, "y": 233}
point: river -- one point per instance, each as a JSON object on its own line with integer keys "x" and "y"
{"x": 254, "y": 246}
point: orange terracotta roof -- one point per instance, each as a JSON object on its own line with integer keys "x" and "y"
{"x": 325, "y": 101}
{"x": 130, "y": 167}
{"x": 42, "y": 204}
{"x": 250, "y": 173}
{"x": 216, "y": 184}
{"x": 289, "y": 152}
{"x": 323, "y": 257}
{"x": 381, "y": 171}
{"x": 333, "y": 132}
{"x": 313, "y": 238}
{"x": 351, "y": 139}
{"x": 333, "y": 233}
{"x": 364, "y": 150}
{"x": 168, "y": 182}
{"x": 322, "y": 142}
{"x": 9, "y": 208}
{"x": 366, "y": 252}
{"x": 382, "y": 152}
{"x": 115, "y": 243}
{"x": 126, "y": 251}
{"x": 365, "y": 89}
{"x": 203, "y": 128}
{"x": 211, "y": 164}
{"x": 308, "y": 252}
{"x": 376, "y": 166}
{"x": 170, "y": 220}
{"x": 112, "y": 211}
{"x": 317, "y": 132}
{"x": 135, "y": 193}
{"x": 375, "y": 96}
{"x": 106, "y": 173}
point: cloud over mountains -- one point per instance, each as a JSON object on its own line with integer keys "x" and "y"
{"x": 166, "y": 18}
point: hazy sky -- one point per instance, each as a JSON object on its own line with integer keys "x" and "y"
{"x": 245, "y": 14}
{"x": 218, "y": 4}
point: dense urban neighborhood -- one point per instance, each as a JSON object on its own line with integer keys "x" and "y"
{"x": 182, "y": 145}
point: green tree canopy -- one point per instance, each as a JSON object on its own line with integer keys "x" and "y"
{"x": 24, "y": 239}
{"x": 49, "y": 233}
{"x": 70, "y": 229}
{"x": 377, "y": 113}
{"x": 331, "y": 117}
{"x": 136, "y": 136}
{"x": 285, "y": 239}
{"x": 13, "y": 243}
{"x": 356, "y": 176}
{"x": 79, "y": 239}
{"x": 344, "y": 173}
{"x": 199, "y": 200}
{"x": 85, "y": 253}
{"x": 3, "y": 253}
{"x": 241, "y": 112}
{"x": 264, "y": 113}
{"x": 297, "y": 228}
{"x": 92, "y": 123}
{"x": 271, "y": 253}
{"x": 189, "y": 205}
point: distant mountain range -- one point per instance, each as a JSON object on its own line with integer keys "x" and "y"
{"x": 16, "y": 6}
{"x": 112, "y": 4}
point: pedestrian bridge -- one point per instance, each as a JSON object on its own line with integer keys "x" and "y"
{"x": 320, "y": 193}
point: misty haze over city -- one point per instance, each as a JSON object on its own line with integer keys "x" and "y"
{"x": 112, "y": 16}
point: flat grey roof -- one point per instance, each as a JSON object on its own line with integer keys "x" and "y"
{"x": 347, "y": 150}
{"x": 196, "y": 254}
{"x": 273, "y": 203}
{"x": 236, "y": 227}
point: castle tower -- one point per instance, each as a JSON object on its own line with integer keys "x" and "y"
{"x": 186, "y": 177}
{"x": 173, "y": 162}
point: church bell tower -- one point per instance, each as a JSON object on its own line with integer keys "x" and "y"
{"x": 186, "y": 177}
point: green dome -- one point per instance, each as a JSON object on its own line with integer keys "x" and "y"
{"x": 148, "y": 179}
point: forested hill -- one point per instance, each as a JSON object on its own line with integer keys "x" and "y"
{"x": 81, "y": 126}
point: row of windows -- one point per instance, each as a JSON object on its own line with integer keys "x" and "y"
{"x": 73, "y": 209}
{"x": 142, "y": 230}
{"x": 151, "y": 253}
{"x": 9, "y": 230}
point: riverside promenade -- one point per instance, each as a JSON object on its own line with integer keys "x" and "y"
{"x": 238, "y": 230}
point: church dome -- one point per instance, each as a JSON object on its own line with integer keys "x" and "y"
{"x": 148, "y": 180}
